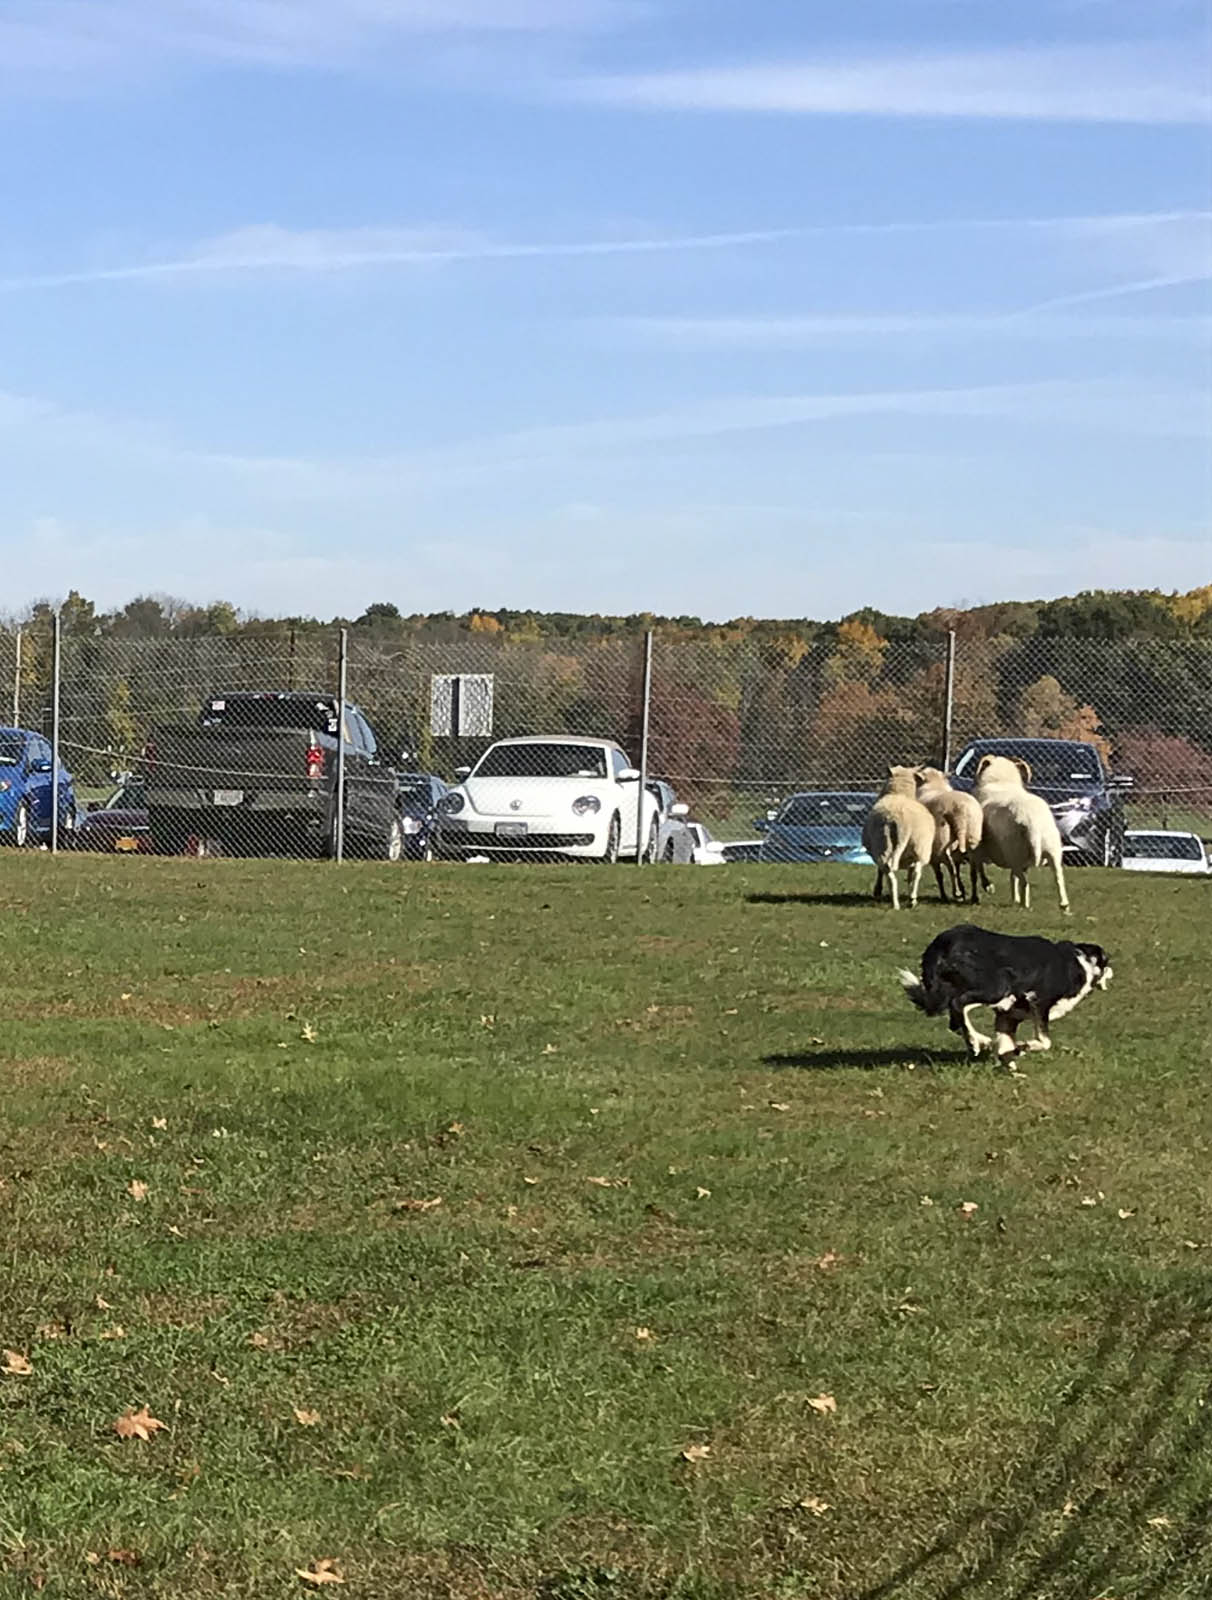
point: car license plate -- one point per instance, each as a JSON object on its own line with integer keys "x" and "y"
{"x": 511, "y": 830}
{"x": 229, "y": 797}
{"x": 126, "y": 844}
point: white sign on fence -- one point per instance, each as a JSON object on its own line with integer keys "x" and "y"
{"x": 461, "y": 703}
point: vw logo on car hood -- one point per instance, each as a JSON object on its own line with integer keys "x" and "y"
{"x": 515, "y": 805}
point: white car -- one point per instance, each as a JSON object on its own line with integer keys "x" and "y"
{"x": 557, "y": 796}
{"x": 684, "y": 843}
{"x": 1163, "y": 850}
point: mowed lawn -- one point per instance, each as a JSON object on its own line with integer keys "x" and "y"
{"x": 591, "y": 1234}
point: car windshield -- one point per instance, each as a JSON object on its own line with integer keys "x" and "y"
{"x": 1163, "y": 847}
{"x": 825, "y": 811}
{"x": 131, "y": 796}
{"x": 415, "y": 794}
{"x": 543, "y": 761}
{"x": 1050, "y": 763}
{"x": 299, "y": 711}
{"x": 11, "y": 751}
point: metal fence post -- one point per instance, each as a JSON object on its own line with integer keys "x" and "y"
{"x": 56, "y": 695}
{"x": 949, "y": 700}
{"x": 17, "y": 679}
{"x": 640, "y": 840}
{"x": 342, "y": 687}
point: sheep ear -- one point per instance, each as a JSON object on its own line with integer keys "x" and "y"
{"x": 982, "y": 764}
{"x": 891, "y": 770}
{"x": 1024, "y": 767}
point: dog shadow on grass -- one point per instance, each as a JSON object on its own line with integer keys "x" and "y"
{"x": 1109, "y": 1464}
{"x": 826, "y": 1060}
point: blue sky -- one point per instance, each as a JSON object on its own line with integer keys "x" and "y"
{"x": 681, "y": 305}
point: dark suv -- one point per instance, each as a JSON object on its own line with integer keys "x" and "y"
{"x": 1086, "y": 800}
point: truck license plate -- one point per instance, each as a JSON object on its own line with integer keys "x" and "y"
{"x": 229, "y": 797}
{"x": 511, "y": 830}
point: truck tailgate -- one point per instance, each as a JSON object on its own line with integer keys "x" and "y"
{"x": 217, "y": 765}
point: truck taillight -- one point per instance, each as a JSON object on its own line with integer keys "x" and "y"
{"x": 149, "y": 754}
{"x": 315, "y": 762}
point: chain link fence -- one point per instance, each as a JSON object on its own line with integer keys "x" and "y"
{"x": 321, "y": 744}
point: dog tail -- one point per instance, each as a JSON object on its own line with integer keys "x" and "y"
{"x": 919, "y": 995}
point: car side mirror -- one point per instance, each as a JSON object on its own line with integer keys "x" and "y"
{"x": 761, "y": 824}
{"x": 679, "y": 810}
{"x": 39, "y": 766}
{"x": 628, "y": 775}
{"x": 462, "y": 772}
{"x": 95, "y": 805}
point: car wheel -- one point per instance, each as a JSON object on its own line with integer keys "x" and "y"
{"x": 21, "y": 826}
{"x": 69, "y": 825}
{"x": 670, "y": 854}
{"x": 393, "y": 845}
{"x": 613, "y": 837}
{"x": 650, "y": 849}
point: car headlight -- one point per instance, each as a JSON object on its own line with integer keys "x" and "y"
{"x": 450, "y": 804}
{"x": 1080, "y": 802}
{"x": 5, "y": 785}
{"x": 586, "y": 805}
{"x": 411, "y": 824}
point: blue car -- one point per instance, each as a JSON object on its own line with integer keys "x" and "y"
{"x": 417, "y": 801}
{"x": 817, "y": 825}
{"x": 26, "y": 787}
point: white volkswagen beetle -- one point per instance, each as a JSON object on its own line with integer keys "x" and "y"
{"x": 556, "y": 796}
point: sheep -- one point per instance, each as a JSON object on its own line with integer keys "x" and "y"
{"x": 958, "y": 822}
{"x": 1020, "y": 831}
{"x": 898, "y": 832}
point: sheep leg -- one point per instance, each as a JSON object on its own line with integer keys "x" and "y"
{"x": 1058, "y": 872}
{"x": 1009, "y": 1019}
{"x": 1026, "y": 892}
{"x": 957, "y": 877}
{"x": 942, "y": 887}
{"x": 915, "y": 881}
{"x": 894, "y": 887}
{"x": 878, "y": 892}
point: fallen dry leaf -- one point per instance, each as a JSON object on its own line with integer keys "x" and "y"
{"x": 530, "y": 1181}
{"x": 926, "y": 1200}
{"x": 16, "y": 1365}
{"x": 1123, "y": 1214}
{"x": 702, "y": 1194}
{"x": 1160, "y": 1522}
{"x": 122, "y": 1557}
{"x": 1069, "y": 1509}
{"x": 967, "y": 1207}
{"x": 137, "y": 1189}
{"x": 160, "y": 1123}
{"x": 815, "y": 1504}
{"x": 50, "y": 1330}
{"x": 138, "y": 1424}
{"x": 696, "y": 1452}
{"x": 309, "y": 1034}
{"x": 824, "y": 1403}
{"x": 419, "y": 1205}
{"x": 450, "y": 1419}
{"x": 116, "y": 1332}
{"x": 259, "y": 1341}
{"x": 829, "y": 1260}
{"x": 610, "y": 1183}
{"x": 319, "y": 1573}
{"x": 780, "y": 1105}
{"x": 306, "y": 1419}
{"x": 549, "y": 1049}
{"x": 102, "y": 1304}
{"x": 644, "y": 1335}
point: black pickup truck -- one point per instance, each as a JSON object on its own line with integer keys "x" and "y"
{"x": 256, "y": 774}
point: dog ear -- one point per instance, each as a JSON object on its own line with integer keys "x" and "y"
{"x": 1024, "y": 767}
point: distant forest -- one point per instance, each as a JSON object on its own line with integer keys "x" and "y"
{"x": 1096, "y": 614}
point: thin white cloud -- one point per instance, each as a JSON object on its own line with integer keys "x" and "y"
{"x": 774, "y": 333}
{"x": 1104, "y": 83}
{"x": 69, "y": 36}
{"x": 268, "y": 247}
{"x": 1118, "y": 291}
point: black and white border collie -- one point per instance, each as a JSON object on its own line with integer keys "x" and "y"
{"x": 969, "y": 967}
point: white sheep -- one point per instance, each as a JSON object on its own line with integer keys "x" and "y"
{"x": 1020, "y": 831}
{"x": 958, "y": 824}
{"x": 898, "y": 832}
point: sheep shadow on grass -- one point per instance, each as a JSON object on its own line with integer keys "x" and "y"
{"x": 859, "y": 898}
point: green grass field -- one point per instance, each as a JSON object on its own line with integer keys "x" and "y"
{"x": 582, "y": 1235}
